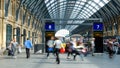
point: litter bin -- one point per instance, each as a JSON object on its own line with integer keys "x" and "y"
{"x": 39, "y": 48}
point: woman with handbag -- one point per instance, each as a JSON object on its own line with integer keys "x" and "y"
{"x": 50, "y": 45}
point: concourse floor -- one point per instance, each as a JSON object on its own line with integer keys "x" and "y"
{"x": 40, "y": 61}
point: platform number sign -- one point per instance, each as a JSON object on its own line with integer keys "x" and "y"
{"x": 98, "y": 26}
{"x": 50, "y": 26}
{"x": 98, "y": 35}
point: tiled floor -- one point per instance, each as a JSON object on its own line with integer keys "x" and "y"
{"x": 40, "y": 61}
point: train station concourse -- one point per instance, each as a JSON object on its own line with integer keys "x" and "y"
{"x": 59, "y": 33}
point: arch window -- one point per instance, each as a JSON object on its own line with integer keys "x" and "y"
{"x": 24, "y": 35}
{"x": 18, "y": 35}
{"x": 8, "y": 34}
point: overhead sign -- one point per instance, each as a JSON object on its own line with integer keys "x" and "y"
{"x": 50, "y": 26}
{"x": 49, "y": 33}
{"x": 98, "y": 33}
{"x": 98, "y": 26}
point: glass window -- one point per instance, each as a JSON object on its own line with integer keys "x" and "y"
{"x": 6, "y": 4}
{"x": 8, "y": 34}
{"x": 28, "y": 34}
{"x": 33, "y": 37}
{"x": 32, "y": 23}
{"x": 10, "y": 8}
{"x": 0, "y": 4}
{"x": 18, "y": 35}
{"x": 29, "y": 21}
{"x": 23, "y": 17}
{"x": 24, "y": 35}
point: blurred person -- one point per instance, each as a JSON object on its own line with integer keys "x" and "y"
{"x": 76, "y": 49}
{"x": 69, "y": 49}
{"x": 50, "y": 45}
{"x": 28, "y": 45}
{"x": 12, "y": 47}
{"x": 57, "y": 44}
{"x": 110, "y": 48}
{"x": 92, "y": 46}
{"x": 116, "y": 46}
{"x": 19, "y": 49}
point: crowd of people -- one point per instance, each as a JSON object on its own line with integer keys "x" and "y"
{"x": 111, "y": 46}
{"x": 80, "y": 47}
{"x": 75, "y": 46}
{"x": 13, "y": 48}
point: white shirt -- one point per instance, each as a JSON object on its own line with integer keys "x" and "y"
{"x": 15, "y": 44}
{"x": 50, "y": 43}
{"x": 93, "y": 44}
{"x": 74, "y": 44}
{"x": 57, "y": 43}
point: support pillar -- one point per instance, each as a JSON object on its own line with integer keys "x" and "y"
{"x": 3, "y": 25}
{"x": 118, "y": 26}
{"x": 113, "y": 31}
{"x": 0, "y": 33}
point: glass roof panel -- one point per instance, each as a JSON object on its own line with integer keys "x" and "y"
{"x": 106, "y": 1}
{"x": 83, "y": 0}
{"x": 97, "y": 7}
{"x": 67, "y": 9}
{"x": 82, "y": 3}
{"x": 90, "y": 7}
{"x": 101, "y": 4}
{"x": 89, "y": 2}
{"x": 93, "y": 4}
{"x": 96, "y": 1}
{"x": 46, "y": 1}
{"x": 78, "y": 2}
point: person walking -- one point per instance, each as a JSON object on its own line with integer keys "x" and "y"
{"x": 76, "y": 49}
{"x": 115, "y": 46}
{"x": 12, "y": 48}
{"x": 92, "y": 46}
{"x": 50, "y": 45}
{"x": 69, "y": 49}
{"x": 110, "y": 48}
{"x": 28, "y": 46}
{"x": 19, "y": 49}
{"x": 57, "y": 44}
